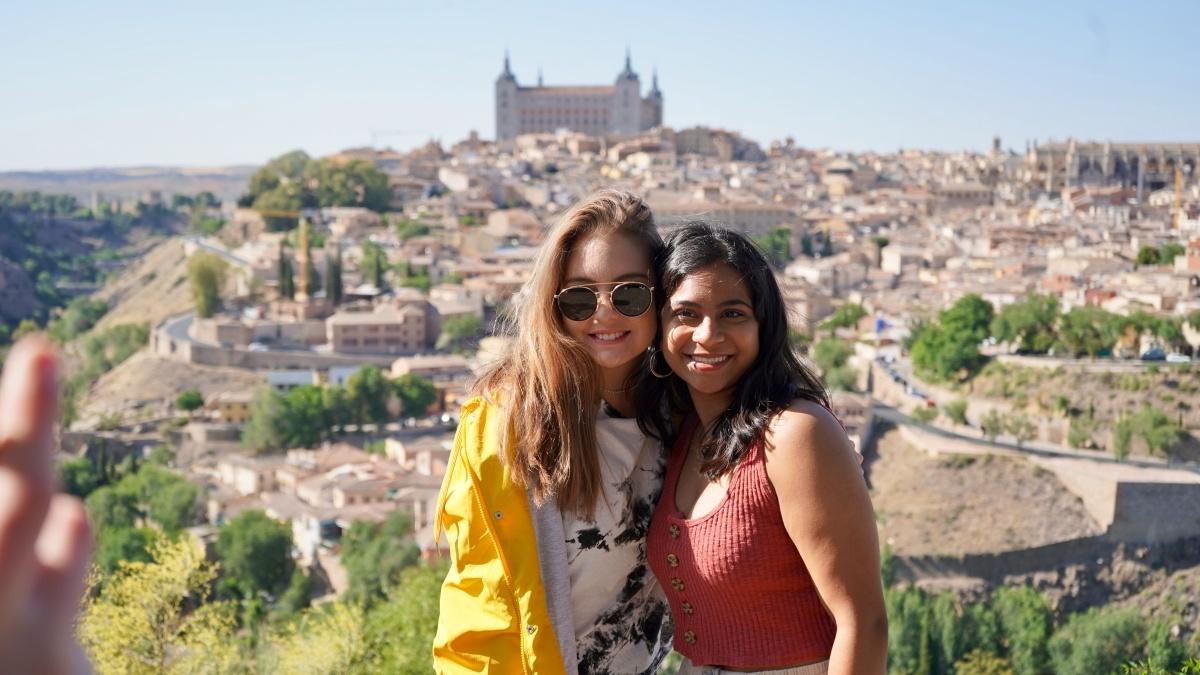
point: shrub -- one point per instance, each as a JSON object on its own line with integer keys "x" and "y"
{"x": 957, "y": 411}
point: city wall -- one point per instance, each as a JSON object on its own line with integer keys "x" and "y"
{"x": 1090, "y": 551}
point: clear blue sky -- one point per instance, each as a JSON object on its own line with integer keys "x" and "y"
{"x": 132, "y": 83}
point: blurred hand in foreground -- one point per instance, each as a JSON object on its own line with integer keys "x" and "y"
{"x": 45, "y": 541}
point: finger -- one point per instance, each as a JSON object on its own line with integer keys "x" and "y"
{"x": 28, "y": 407}
{"x": 63, "y": 552}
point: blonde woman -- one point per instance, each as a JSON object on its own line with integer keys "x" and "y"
{"x": 554, "y": 473}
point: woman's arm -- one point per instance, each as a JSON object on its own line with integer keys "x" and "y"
{"x": 827, "y": 512}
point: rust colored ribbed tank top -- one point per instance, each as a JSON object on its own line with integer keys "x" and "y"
{"x": 740, "y": 595}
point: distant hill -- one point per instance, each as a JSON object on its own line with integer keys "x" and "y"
{"x": 226, "y": 182}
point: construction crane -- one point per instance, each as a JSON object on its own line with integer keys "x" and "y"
{"x": 1177, "y": 207}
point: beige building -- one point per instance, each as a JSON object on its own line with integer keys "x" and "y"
{"x": 386, "y": 330}
{"x": 232, "y": 407}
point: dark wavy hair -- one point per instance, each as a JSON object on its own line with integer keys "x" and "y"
{"x": 777, "y": 376}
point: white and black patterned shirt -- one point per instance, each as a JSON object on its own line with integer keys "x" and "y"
{"x": 619, "y": 611}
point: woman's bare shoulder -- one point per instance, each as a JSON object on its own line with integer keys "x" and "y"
{"x": 806, "y": 424}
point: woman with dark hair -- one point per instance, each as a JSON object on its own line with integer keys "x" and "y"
{"x": 764, "y": 537}
{"x": 554, "y": 476}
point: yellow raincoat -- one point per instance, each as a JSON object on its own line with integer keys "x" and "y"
{"x": 494, "y": 617}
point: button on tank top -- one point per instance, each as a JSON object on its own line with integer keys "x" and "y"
{"x": 740, "y": 595}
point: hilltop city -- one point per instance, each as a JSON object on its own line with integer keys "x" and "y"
{"x": 1008, "y": 334}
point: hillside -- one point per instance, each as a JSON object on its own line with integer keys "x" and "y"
{"x": 152, "y": 288}
{"x": 146, "y": 377}
{"x": 132, "y": 182}
{"x": 1070, "y": 395}
{"x": 953, "y": 505}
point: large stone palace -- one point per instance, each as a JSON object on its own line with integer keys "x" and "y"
{"x": 616, "y": 109}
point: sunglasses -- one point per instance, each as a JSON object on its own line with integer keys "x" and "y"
{"x": 579, "y": 303}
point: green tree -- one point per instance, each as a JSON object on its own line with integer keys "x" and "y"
{"x": 1087, "y": 330}
{"x": 304, "y": 422}
{"x": 374, "y": 263}
{"x": 1157, "y": 430}
{"x": 113, "y": 506}
{"x": 206, "y": 275}
{"x": 1097, "y": 641}
{"x": 375, "y": 554}
{"x": 399, "y": 632}
{"x": 78, "y": 477}
{"x": 910, "y": 639}
{"x": 948, "y": 629}
{"x": 1027, "y": 625}
{"x": 806, "y": 245}
{"x": 1029, "y": 323}
{"x": 333, "y": 276}
{"x": 421, "y": 282}
{"x": 80, "y": 315}
{"x": 190, "y": 400}
{"x": 1148, "y": 255}
{"x": 336, "y": 408}
{"x": 352, "y": 183}
{"x": 116, "y": 545}
{"x": 949, "y": 347}
{"x": 1169, "y": 251}
{"x": 325, "y": 640}
{"x": 1169, "y": 331}
{"x": 298, "y": 594}
{"x": 280, "y": 207}
{"x": 265, "y": 426}
{"x": 831, "y": 353}
{"x": 287, "y": 278}
{"x": 459, "y": 333}
{"x": 284, "y": 169}
{"x": 255, "y": 553}
{"x": 146, "y": 619}
{"x": 367, "y": 392}
{"x": 415, "y": 394}
{"x": 407, "y": 229}
{"x": 941, "y": 354}
{"x": 776, "y": 245}
{"x": 970, "y": 314}
{"x": 169, "y": 499}
{"x": 846, "y": 316}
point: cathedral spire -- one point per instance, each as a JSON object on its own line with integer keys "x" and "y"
{"x": 628, "y": 61}
{"x": 540, "y": 76}
{"x": 654, "y": 81}
{"x": 507, "y": 67}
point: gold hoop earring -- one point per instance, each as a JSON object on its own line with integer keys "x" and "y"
{"x": 654, "y": 353}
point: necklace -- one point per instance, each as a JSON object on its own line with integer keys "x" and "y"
{"x": 617, "y": 391}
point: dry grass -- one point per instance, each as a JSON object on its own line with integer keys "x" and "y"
{"x": 949, "y": 505}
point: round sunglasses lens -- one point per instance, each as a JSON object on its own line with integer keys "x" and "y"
{"x": 577, "y": 304}
{"x": 631, "y": 299}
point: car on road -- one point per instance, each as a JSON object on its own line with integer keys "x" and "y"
{"x": 1153, "y": 354}
{"x": 1178, "y": 358}
{"x": 258, "y": 347}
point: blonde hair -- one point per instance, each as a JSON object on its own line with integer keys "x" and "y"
{"x": 547, "y": 383}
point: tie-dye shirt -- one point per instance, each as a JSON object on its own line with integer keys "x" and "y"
{"x": 619, "y": 611}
